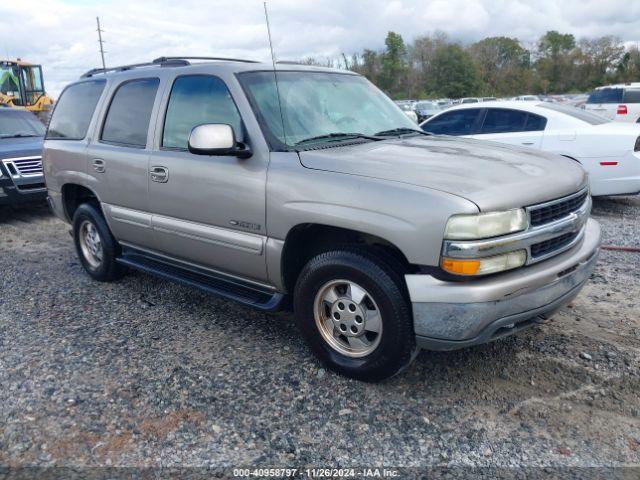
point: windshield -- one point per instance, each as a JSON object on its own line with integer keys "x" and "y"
{"x": 16, "y": 123}
{"x": 588, "y": 117}
{"x": 316, "y": 104}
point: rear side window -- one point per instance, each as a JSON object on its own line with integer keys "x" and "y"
{"x": 196, "y": 100}
{"x": 606, "y": 95}
{"x": 500, "y": 120}
{"x": 456, "y": 122}
{"x": 127, "y": 121}
{"x": 631, "y": 96}
{"x": 74, "y": 110}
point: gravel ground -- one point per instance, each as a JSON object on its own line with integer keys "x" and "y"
{"x": 147, "y": 373}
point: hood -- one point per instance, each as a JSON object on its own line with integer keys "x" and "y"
{"x": 20, "y": 147}
{"x": 491, "y": 175}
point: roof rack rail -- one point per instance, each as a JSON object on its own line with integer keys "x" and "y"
{"x": 222, "y": 59}
{"x": 291, "y": 62}
{"x": 161, "y": 61}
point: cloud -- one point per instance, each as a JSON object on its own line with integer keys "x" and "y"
{"x": 61, "y": 34}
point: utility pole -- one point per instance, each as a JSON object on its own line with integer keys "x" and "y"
{"x": 101, "y": 42}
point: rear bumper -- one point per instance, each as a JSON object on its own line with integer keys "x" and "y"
{"x": 450, "y": 315}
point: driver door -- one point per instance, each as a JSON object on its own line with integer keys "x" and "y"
{"x": 206, "y": 210}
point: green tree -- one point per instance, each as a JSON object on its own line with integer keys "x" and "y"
{"x": 394, "y": 65}
{"x": 502, "y": 64}
{"x": 555, "y": 62}
{"x": 454, "y": 72}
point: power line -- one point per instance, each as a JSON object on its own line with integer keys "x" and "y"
{"x": 101, "y": 42}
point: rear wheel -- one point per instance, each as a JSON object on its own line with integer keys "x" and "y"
{"x": 96, "y": 247}
{"x": 352, "y": 309}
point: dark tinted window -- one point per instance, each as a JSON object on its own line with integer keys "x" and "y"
{"x": 535, "y": 123}
{"x": 500, "y": 120}
{"x": 74, "y": 110}
{"x": 128, "y": 118}
{"x": 605, "y": 95}
{"x": 194, "y": 100}
{"x": 456, "y": 122}
{"x": 631, "y": 96}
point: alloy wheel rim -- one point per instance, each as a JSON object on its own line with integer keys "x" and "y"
{"x": 348, "y": 318}
{"x": 91, "y": 244}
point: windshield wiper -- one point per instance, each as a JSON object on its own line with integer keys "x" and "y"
{"x": 400, "y": 131}
{"x": 337, "y": 136}
{"x": 18, "y": 135}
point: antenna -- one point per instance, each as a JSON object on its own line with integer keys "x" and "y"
{"x": 275, "y": 72}
{"x": 101, "y": 42}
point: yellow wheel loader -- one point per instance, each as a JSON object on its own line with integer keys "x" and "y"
{"x": 22, "y": 86}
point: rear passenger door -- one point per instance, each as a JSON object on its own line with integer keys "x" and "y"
{"x": 515, "y": 127}
{"x": 207, "y": 210}
{"x": 118, "y": 159}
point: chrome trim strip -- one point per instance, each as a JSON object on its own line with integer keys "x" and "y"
{"x": 36, "y": 159}
{"x": 128, "y": 215}
{"x": 247, "y": 242}
{"x": 206, "y": 233}
{"x": 573, "y": 222}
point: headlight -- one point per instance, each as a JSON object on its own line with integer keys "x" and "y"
{"x": 485, "y": 225}
{"x": 485, "y": 266}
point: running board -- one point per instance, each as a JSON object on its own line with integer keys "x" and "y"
{"x": 226, "y": 287}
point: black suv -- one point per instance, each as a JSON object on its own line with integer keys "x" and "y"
{"x": 21, "y": 176}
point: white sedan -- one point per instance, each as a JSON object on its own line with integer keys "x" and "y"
{"x": 609, "y": 151}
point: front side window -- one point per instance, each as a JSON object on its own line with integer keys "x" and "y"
{"x": 499, "y": 120}
{"x": 129, "y": 114}
{"x": 317, "y": 104}
{"x": 74, "y": 110}
{"x": 196, "y": 100}
{"x": 456, "y": 122}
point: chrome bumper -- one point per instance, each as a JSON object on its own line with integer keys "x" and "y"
{"x": 450, "y": 315}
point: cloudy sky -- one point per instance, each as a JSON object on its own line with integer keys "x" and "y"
{"x": 60, "y": 34}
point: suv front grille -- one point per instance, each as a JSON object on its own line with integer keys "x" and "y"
{"x": 547, "y": 213}
{"x": 23, "y": 166}
{"x": 548, "y": 246}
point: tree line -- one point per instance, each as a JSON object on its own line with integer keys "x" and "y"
{"x": 434, "y": 66}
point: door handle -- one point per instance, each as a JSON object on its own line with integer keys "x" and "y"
{"x": 159, "y": 174}
{"x": 98, "y": 165}
{"x": 527, "y": 143}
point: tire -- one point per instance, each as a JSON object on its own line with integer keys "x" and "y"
{"x": 353, "y": 348}
{"x": 88, "y": 221}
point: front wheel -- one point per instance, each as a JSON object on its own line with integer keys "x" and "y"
{"x": 96, "y": 247}
{"x": 352, "y": 310}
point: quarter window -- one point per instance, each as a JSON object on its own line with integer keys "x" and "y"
{"x": 127, "y": 121}
{"x": 457, "y": 122}
{"x": 196, "y": 100}
{"x": 74, "y": 110}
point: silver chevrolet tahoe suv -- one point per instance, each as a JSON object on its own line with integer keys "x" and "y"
{"x": 307, "y": 188}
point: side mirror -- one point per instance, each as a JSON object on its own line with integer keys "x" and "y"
{"x": 216, "y": 139}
